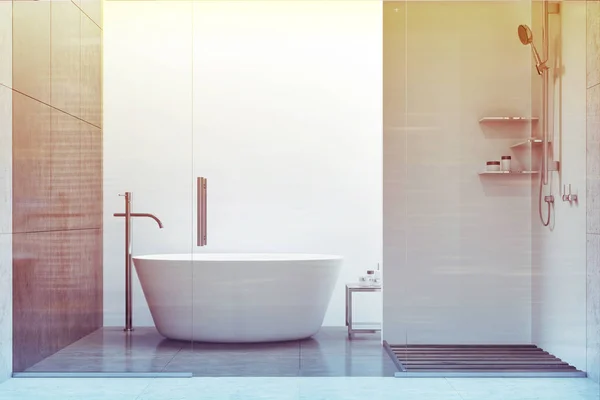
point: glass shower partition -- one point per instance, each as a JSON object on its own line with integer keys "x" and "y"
{"x": 458, "y": 93}
{"x": 148, "y": 151}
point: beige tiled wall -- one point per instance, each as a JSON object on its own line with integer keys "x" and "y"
{"x": 57, "y": 169}
{"x": 593, "y": 189}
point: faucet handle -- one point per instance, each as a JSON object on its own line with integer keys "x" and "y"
{"x": 572, "y": 197}
{"x": 127, "y": 196}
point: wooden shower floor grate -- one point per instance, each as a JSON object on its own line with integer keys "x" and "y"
{"x": 478, "y": 360}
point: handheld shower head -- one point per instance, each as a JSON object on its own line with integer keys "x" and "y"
{"x": 526, "y": 37}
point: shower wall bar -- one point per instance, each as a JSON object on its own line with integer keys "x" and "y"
{"x": 545, "y": 83}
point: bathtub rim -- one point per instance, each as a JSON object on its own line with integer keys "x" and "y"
{"x": 238, "y": 257}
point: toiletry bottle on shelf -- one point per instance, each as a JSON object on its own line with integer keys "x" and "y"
{"x": 371, "y": 277}
{"x": 505, "y": 163}
{"x": 492, "y": 166}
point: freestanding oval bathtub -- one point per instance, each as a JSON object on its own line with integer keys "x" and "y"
{"x": 238, "y": 298}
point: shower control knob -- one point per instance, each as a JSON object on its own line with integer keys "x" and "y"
{"x": 573, "y": 197}
{"x": 570, "y": 197}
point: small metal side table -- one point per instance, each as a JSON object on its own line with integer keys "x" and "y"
{"x": 350, "y": 289}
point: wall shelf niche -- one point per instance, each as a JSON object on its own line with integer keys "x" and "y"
{"x": 508, "y": 119}
{"x": 530, "y": 141}
{"x": 508, "y": 172}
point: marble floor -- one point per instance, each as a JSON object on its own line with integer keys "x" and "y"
{"x": 299, "y": 388}
{"x": 327, "y": 354}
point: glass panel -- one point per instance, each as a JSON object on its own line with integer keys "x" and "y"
{"x": 287, "y": 125}
{"x": 148, "y": 142}
{"x": 395, "y": 231}
{"x": 460, "y": 239}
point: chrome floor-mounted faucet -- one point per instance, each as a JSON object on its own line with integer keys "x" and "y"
{"x": 128, "y": 259}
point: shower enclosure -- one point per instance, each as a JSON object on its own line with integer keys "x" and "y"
{"x": 469, "y": 292}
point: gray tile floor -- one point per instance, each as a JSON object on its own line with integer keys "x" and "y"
{"x": 327, "y": 354}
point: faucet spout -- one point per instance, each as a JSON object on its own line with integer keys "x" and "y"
{"x": 158, "y": 221}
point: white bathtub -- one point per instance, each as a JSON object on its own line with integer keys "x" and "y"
{"x": 238, "y": 298}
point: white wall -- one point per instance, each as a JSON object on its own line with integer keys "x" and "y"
{"x": 282, "y": 114}
{"x": 559, "y": 262}
{"x": 5, "y": 190}
{"x": 457, "y": 246}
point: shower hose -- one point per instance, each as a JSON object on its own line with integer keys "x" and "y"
{"x": 546, "y": 221}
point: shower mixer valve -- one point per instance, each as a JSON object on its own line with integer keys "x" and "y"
{"x": 570, "y": 197}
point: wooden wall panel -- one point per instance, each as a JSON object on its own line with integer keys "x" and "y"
{"x": 32, "y": 178}
{"x": 47, "y": 160}
{"x": 31, "y": 49}
{"x": 57, "y": 179}
{"x": 55, "y": 292}
{"x": 91, "y": 72}
{"x": 66, "y": 56}
{"x": 64, "y": 201}
{"x": 93, "y": 8}
{"x": 91, "y": 176}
